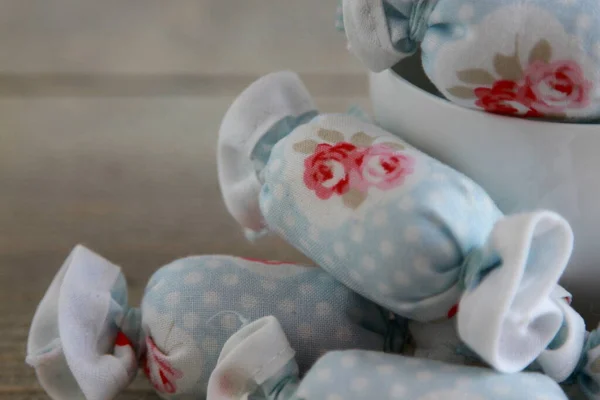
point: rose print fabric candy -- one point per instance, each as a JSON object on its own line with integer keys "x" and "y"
{"x": 391, "y": 223}
{"x": 532, "y": 58}
{"x": 87, "y": 343}
{"x": 355, "y": 374}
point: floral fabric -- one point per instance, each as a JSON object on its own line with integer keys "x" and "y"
{"x": 529, "y": 58}
{"x": 396, "y": 226}
{"x": 356, "y": 200}
{"x": 545, "y": 88}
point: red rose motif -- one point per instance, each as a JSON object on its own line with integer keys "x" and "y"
{"x": 380, "y": 166}
{"x": 498, "y": 99}
{"x": 555, "y": 87}
{"x": 158, "y": 369}
{"x": 122, "y": 340}
{"x": 506, "y": 97}
{"x": 327, "y": 170}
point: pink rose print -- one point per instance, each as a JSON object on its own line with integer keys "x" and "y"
{"x": 554, "y": 87}
{"x": 159, "y": 370}
{"x": 326, "y": 171}
{"x": 380, "y": 166}
{"x": 349, "y": 169}
{"x": 503, "y": 98}
{"x": 499, "y": 98}
{"x": 539, "y": 88}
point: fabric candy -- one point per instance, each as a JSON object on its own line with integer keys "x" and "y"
{"x": 391, "y": 223}
{"x": 439, "y": 340}
{"x": 251, "y": 368}
{"x": 534, "y": 58}
{"x": 87, "y": 343}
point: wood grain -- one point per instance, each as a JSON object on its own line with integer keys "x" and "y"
{"x": 109, "y": 113}
{"x": 180, "y": 36}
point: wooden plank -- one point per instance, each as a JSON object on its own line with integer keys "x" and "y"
{"x": 182, "y": 36}
{"x": 165, "y": 85}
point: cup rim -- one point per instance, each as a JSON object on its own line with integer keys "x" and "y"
{"x": 444, "y": 103}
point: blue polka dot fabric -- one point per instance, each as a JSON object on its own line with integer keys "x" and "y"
{"x": 193, "y": 305}
{"x": 87, "y": 342}
{"x": 357, "y": 375}
{"x": 399, "y": 237}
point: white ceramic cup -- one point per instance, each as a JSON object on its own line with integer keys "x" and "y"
{"x": 523, "y": 164}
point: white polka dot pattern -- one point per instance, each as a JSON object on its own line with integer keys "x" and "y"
{"x": 356, "y": 375}
{"x": 208, "y": 298}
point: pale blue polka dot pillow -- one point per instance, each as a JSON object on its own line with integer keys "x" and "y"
{"x": 193, "y": 305}
{"x": 87, "y": 342}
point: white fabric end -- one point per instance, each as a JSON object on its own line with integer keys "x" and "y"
{"x": 86, "y": 332}
{"x": 264, "y": 103}
{"x": 510, "y": 317}
{"x": 44, "y": 348}
{"x": 367, "y": 33}
{"x": 251, "y": 356}
{"x": 559, "y": 363}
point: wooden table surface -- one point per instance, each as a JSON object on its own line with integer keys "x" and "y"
{"x": 108, "y": 119}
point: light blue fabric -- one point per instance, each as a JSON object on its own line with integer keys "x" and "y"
{"x": 189, "y": 310}
{"x": 317, "y": 313}
{"x": 357, "y": 375}
{"x": 435, "y": 224}
{"x": 567, "y": 13}
{"x": 260, "y": 153}
{"x": 359, "y": 113}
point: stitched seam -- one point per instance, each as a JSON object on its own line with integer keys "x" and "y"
{"x": 259, "y": 369}
{"x": 269, "y": 362}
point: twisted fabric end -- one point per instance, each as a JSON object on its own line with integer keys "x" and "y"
{"x": 587, "y": 372}
{"x": 383, "y": 32}
{"x": 419, "y": 19}
{"x": 84, "y": 339}
{"x": 507, "y": 313}
{"x": 264, "y": 113}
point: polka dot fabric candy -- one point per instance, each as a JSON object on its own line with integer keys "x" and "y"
{"x": 355, "y": 374}
{"x": 86, "y": 342}
{"x": 392, "y": 223}
{"x": 529, "y": 58}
